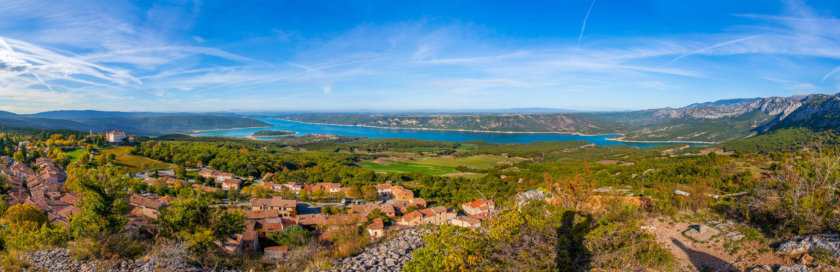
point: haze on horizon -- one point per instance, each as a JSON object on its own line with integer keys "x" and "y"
{"x": 396, "y": 56}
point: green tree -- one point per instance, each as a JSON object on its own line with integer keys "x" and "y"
{"x": 355, "y": 192}
{"x": 304, "y": 195}
{"x": 84, "y": 159}
{"x": 20, "y": 156}
{"x": 292, "y": 236}
{"x": 318, "y": 195}
{"x": 25, "y": 212}
{"x": 450, "y": 249}
{"x": 180, "y": 172}
{"x": 103, "y": 204}
{"x": 369, "y": 192}
{"x": 191, "y": 218}
{"x": 285, "y": 193}
{"x": 377, "y": 213}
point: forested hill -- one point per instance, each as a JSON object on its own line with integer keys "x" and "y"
{"x": 717, "y": 121}
{"x": 563, "y": 122}
{"x": 157, "y": 125}
{"x": 142, "y": 125}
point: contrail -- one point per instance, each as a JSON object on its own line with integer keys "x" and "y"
{"x": 833, "y": 72}
{"x": 713, "y": 47}
{"x": 582, "y": 28}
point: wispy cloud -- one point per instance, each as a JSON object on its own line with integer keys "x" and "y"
{"x": 103, "y": 54}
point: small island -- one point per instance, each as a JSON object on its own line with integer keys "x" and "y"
{"x": 272, "y": 133}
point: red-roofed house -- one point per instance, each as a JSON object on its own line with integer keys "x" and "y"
{"x": 401, "y": 194}
{"x": 287, "y": 208}
{"x": 231, "y": 184}
{"x": 115, "y": 136}
{"x": 414, "y": 218}
{"x": 479, "y": 209}
{"x": 146, "y": 206}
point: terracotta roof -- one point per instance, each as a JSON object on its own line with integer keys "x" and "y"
{"x": 205, "y": 188}
{"x": 232, "y": 181}
{"x": 207, "y": 172}
{"x": 383, "y": 186}
{"x": 377, "y": 224}
{"x": 312, "y": 219}
{"x": 418, "y": 201}
{"x": 249, "y": 235}
{"x": 345, "y": 219}
{"x": 145, "y": 202}
{"x": 68, "y": 211}
{"x": 263, "y": 214}
{"x": 411, "y": 216}
{"x": 479, "y": 204}
{"x": 274, "y": 202}
{"x": 439, "y": 209}
{"x": 427, "y": 212}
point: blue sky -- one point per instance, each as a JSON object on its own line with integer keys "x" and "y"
{"x": 409, "y": 55}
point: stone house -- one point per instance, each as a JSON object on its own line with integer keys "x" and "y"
{"x": 231, "y": 184}
{"x": 286, "y": 208}
{"x": 376, "y": 229}
{"x": 146, "y": 206}
{"x": 480, "y": 209}
{"x": 466, "y": 222}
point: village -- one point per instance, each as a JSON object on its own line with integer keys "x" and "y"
{"x": 41, "y": 184}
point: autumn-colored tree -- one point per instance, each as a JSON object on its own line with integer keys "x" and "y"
{"x": 573, "y": 193}
{"x": 304, "y": 195}
{"x": 25, "y": 212}
{"x": 318, "y": 194}
{"x": 355, "y": 192}
{"x": 369, "y": 192}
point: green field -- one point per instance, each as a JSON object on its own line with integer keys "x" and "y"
{"x": 118, "y": 151}
{"x": 407, "y": 167}
{"x": 438, "y": 165}
{"x": 133, "y": 162}
{"x": 475, "y": 162}
{"x": 75, "y": 154}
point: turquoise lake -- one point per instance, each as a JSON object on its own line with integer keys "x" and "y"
{"x": 436, "y": 135}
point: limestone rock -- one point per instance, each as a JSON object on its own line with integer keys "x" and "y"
{"x": 701, "y": 232}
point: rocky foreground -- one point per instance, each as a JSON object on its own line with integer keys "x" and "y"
{"x": 59, "y": 259}
{"x": 388, "y": 256}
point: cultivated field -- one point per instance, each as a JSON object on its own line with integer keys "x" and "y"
{"x": 438, "y": 165}
{"x": 133, "y": 162}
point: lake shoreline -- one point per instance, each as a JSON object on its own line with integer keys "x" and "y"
{"x": 618, "y": 136}
{"x": 457, "y": 130}
{"x": 199, "y": 132}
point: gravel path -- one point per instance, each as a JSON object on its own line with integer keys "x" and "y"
{"x": 710, "y": 255}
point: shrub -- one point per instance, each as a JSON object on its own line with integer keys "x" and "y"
{"x": 799, "y": 198}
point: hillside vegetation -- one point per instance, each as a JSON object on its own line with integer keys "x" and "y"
{"x": 148, "y": 125}
{"x": 717, "y": 121}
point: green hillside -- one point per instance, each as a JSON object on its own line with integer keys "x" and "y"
{"x": 152, "y": 125}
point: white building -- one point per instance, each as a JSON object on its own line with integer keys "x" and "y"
{"x": 115, "y": 136}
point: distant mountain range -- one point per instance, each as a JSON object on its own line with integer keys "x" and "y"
{"x": 133, "y": 123}
{"x": 716, "y": 121}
